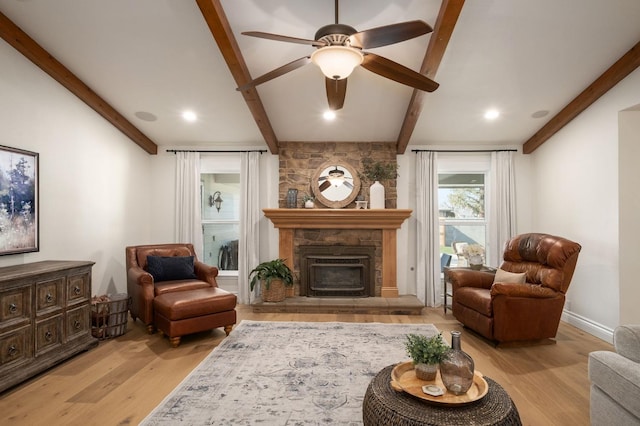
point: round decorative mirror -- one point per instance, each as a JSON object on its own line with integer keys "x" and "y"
{"x": 335, "y": 184}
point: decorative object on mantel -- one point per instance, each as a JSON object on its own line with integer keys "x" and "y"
{"x": 292, "y": 198}
{"x": 426, "y": 354}
{"x": 308, "y": 201}
{"x": 376, "y": 171}
{"x": 474, "y": 254}
{"x": 457, "y": 368}
{"x": 274, "y": 275}
{"x": 335, "y": 184}
{"x": 361, "y": 204}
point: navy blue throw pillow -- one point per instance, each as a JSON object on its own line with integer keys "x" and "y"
{"x": 171, "y": 268}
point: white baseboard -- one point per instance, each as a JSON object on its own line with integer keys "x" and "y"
{"x": 588, "y": 326}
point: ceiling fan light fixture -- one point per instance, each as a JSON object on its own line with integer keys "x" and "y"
{"x": 337, "y": 62}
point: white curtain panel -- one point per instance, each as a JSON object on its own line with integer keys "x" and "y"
{"x": 250, "y": 214}
{"x": 188, "y": 206}
{"x": 429, "y": 287}
{"x": 503, "y": 210}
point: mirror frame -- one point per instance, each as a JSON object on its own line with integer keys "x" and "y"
{"x": 335, "y": 204}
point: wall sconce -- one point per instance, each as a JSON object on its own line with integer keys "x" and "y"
{"x": 215, "y": 200}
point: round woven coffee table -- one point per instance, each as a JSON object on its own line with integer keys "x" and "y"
{"x": 384, "y": 406}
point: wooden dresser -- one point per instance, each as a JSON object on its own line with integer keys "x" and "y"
{"x": 45, "y": 316}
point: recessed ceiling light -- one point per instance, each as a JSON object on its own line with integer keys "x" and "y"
{"x": 492, "y": 114}
{"x": 189, "y": 116}
{"x": 540, "y": 114}
{"x": 146, "y": 116}
{"x": 329, "y": 115}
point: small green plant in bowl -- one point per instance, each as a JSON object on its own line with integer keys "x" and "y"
{"x": 426, "y": 353}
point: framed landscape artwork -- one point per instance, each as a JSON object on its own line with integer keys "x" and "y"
{"x": 18, "y": 201}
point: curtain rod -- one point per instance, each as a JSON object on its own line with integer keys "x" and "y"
{"x": 464, "y": 150}
{"x": 220, "y": 151}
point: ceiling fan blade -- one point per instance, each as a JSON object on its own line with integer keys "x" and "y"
{"x": 276, "y": 73}
{"x": 347, "y": 184}
{"x": 324, "y": 185}
{"x": 396, "y": 72}
{"x": 389, "y": 34}
{"x": 336, "y": 91}
{"x": 278, "y": 37}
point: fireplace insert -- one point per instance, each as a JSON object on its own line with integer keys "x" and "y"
{"x": 337, "y": 271}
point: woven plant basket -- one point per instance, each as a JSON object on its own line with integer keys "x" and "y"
{"x": 275, "y": 292}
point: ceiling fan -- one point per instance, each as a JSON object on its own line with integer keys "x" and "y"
{"x": 339, "y": 49}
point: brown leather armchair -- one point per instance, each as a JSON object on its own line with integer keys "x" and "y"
{"x": 142, "y": 288}
{"x": 508, "y": 311}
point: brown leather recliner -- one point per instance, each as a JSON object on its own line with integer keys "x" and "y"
{"x": 507, "y": 312}
{"x": 141, "y": 286}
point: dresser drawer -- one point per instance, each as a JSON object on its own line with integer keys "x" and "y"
{"x": 78, "y": 287}
{"x": 15, "y": 348}
{"x": 49, "y": 296}
{"x": 78, "y": 322}
{"x": 48, "y": 334}
{"x": 15, "y": 307}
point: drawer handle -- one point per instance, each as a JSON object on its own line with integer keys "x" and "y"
{"x": 76, "y": 324}
{"x": 76, "y": 290}
{"x": 13, "y": 308}
{"x": 48, "y": 336}
{"x": 13, "y": 351}
{"x": 49, "y": 297}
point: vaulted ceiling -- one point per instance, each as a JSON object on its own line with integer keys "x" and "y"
{"x": 142, "y": 63}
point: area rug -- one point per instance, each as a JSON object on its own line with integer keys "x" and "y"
{"x": 287, "y": 373}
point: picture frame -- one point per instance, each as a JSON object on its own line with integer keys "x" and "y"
{"x": 19, "y": 218}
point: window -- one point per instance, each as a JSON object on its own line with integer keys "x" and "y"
{"x": 462, "y": 208}
{"x": 220, "y": 198}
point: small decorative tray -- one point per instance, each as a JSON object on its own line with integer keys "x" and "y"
{"x": 403, "y": 379}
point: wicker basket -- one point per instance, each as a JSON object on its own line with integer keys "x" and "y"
{"x": 275, "y": 292}
{"x": 109, "y": 315}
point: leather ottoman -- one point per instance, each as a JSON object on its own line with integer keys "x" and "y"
{"x": 184, "y": 312}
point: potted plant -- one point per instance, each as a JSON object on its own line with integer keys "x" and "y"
{"x": 426, "y": 354}
{"x": 375, "y": 171}
{"x": 308, "y": 201}
{"x": 275, "y": 275}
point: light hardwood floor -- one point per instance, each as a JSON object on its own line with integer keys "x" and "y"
{"x": 123, "y": 379}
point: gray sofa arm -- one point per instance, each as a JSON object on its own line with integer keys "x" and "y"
{"x": 616, "y": 375}
{"x": 626, "y": 339}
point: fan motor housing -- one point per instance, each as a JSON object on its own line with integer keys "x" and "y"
{"x": 335, "y": 34}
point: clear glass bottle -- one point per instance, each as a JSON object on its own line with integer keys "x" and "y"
{"x": 457, "y": 368}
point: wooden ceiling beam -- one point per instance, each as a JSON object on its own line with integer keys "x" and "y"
{"x": 442, "y": 31}
{"x": 216, "y": 19}
{"x": 24, "y": 44}
{"x": 612, "y": 76}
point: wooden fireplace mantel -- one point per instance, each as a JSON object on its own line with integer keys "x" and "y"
{"x": 387, "y": 220}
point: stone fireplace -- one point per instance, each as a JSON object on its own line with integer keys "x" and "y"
{"x": 337, "y": 271}
{"x": 333, "y": 228}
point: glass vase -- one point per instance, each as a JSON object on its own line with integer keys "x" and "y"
{"x": 457, "y": 368}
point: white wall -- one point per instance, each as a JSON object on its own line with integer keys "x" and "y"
{"x": 575, "y": 195}
{"x": 93, "y": 180}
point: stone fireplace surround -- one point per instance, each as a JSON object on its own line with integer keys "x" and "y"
{"x": 340, "y": 222}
